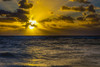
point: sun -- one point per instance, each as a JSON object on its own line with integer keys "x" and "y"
{"x": 33, "y": 22}
{"x": 31, "y": 27}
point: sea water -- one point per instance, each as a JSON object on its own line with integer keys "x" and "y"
{"x": 49, "y": 51}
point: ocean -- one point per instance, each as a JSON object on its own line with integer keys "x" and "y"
{"x": 49, "y": 51}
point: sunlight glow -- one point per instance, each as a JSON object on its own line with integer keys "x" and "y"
{"x": 32, "y": 22}
{"x": 31, "y": 27}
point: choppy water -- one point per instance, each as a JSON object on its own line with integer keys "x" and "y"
{"x": 50, "y": 51}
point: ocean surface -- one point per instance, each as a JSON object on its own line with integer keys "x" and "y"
{"x": 45, "y": 51}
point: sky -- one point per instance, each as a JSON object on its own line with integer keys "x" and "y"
{"x": 51, "y": 17}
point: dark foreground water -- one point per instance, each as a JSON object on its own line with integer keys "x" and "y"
{"x": 50, "y": 51}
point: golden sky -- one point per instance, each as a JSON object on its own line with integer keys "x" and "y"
{"x": 49, "y": 17}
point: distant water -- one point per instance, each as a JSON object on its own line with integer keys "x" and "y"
{"x": 61, "y": 51}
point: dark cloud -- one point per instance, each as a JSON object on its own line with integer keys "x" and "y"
{"x": 21, "y": 11}
{"x": 7, "y": 0}
{"x": 24, "y": 4}
{"x": 93, "y": 25}
{"x": 82, "y": 1}
{"x": 66, "y": 18}
{"x": 81, "y": 8}
{"x": 10, "y": 26}
{"x": 90, "y": 20}
{"x": 80, "y": 18}
{"x": 93, "y": 18}
{"x": 20, "y": 14}
{"x": 20, "y": 17}
{"x": 7, "y": 20}
{"x": 69, "y": 19}
{"x": 4, "y": 12}
{"x": 89, "y": 8}
{"x": 46, "y": 20}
